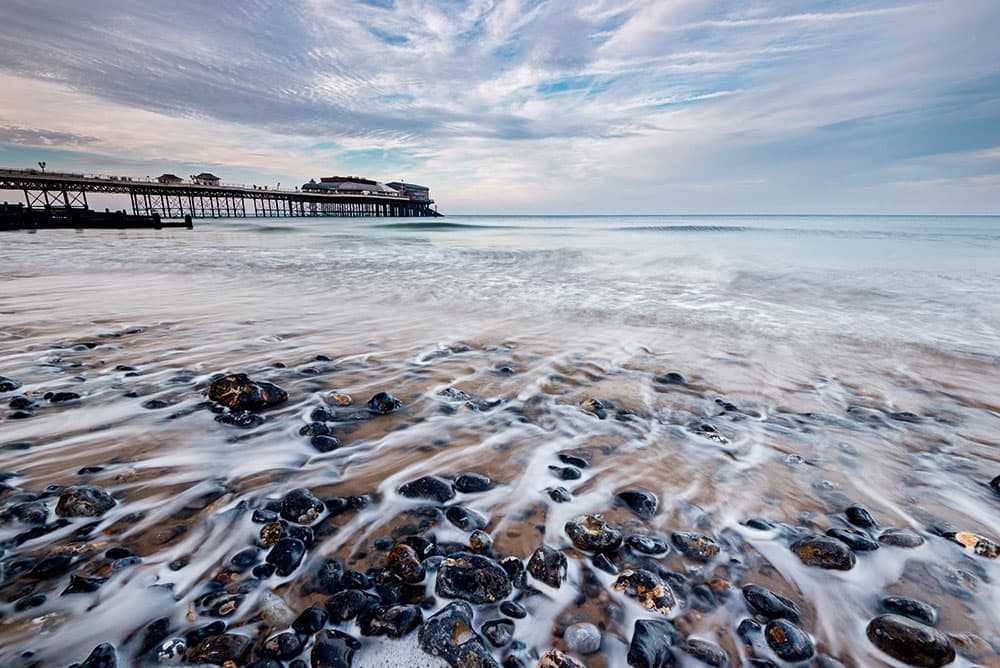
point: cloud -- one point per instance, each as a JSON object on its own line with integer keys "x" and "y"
{"x": 790, "y": 103}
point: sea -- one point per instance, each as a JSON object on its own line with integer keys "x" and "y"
{"x": 758, "y": 374}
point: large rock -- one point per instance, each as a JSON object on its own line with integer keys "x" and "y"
{"x": 695, "y": 546}
{"x": 548, "y": 565}
{"x": 103, "y": 656}
{"x": 771, "y": 605}
{"x": 221, "y": 648}
{"x": 592, "y": 533}
{"x": 334, "y": 649}
{"x": 473, "y": 578}
{"x": 384, "y": 403}
{"x": 640, "y": 501}
{"x": 428, "y": 487}
{"x": 648, "y": 589}
{"x": 301, "y": 507}
{"x": 449, "y": 636}
{"x": 788, "y": 641}
{"x": 84, "y": 502}
{"x": 240, "y": 392}
{"x": 910, "y": 642}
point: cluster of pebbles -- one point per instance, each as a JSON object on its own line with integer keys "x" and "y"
{"x": 465, "y": 603}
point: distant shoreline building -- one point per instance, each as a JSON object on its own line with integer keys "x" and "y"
{"x": 349, "y": 185}
{"x": 206, "y": 179}
{"x": 169, "y": 179}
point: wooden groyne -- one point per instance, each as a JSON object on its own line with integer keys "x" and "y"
{"x": 20, "y": 217}
{"x": 177, "y": 200}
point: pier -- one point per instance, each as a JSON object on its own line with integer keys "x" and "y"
{"x": 68, "y": 192}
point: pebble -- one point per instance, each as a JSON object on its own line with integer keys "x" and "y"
{"x": 900, "y": 538}
{"x": 498, "y": 631}
{"x": 910, "y": 642}
{"x": 244, "y": 419}
{"x": 513, "y": 610}
{"x": 448, "y": 635}
{"x": 771, "y": 605}
{"x": 102, "y": 656}
{"x": 383, "y": 403}
{"x": 548, "y": 565}
{"x": 283, "y": 646}
{"x": 301, "y": 507}
{"x": 348, "y": 604}
{"x": 472, "y": 483}
{"x": 860, "y": 517}
{"x": 170, "y": 652}
{"x": 286, "y": 555}
{"x": 976, "y": 544}
{"x": 592, "y": 533}
{"x": 648, "y": 544}
{"x": 9, "y": 384}
{"x": 640, "y": 501}
{"x": 324, "y": 443}
{"x": 648, "y": 589}
{"x": 61, "y": 397}
{"x": 858, "y": 541}
{"x": 651, "y": 644}
{"x": 695, "y": 546}
{"x": 565, "y": 472}
{"x": 428, "y": 487}
{"x": 396, "y": 621}
{"x": 556, "y": 659}
{"x": 706, "y": 652}
{"x": 84, "y": 502}
{"x": 788, "y": 641}
{"x": 559, "y": 494}
{"x": 582, "y": 638}
{"x": 995, "y": 484}
{"x": 473, "y": 578}
{"x": 218, "y": 649}
{"x": 310, "y": 621}
{"x": 338, "y": 399}
{"x": 333, "y": 649}
{"x": 670, "y": 378}
{"x": 405, "y": 564}
{"x": 916, "y": 610}
{"x": 481, "y": 542}
{"x": 824, "y": 552}
{"x": 466, "y": 519}
{"x": 597, "y": 407}
{"x": 239, "y": 392}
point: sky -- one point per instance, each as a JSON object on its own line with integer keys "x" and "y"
{"x": 524, "y": 106}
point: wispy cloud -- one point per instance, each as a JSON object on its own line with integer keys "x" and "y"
{"x": 799, "y": 105}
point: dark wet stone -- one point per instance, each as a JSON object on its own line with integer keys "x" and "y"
{"x": 21, "y": 415}
{"x": 909, "y": 607}
{"x": 449, "y": 636}
{"x": 695, "y": 546}
{"x": 640, "y": 501}
{"x": 283, "y": 646}
{"x": 84, "y": 502}
{"x": 466, "y": 519}
{"x": 771, "y": 605}
{"x": 9, "y": 384}
{"x": 244, "y": 419}
{"x": 355, "y": 580}
{"x": 155, "y": 404}
{"x": 910, "y": 642}
{"x": 498, "y": 631}
{"x": 748, "y": 630}
{"x": 858, "y": 541}
{"x": 20, "y": 401}
{"x": 333, "y": 649}
{"x": 860, "y": 517}
{"x": 513, "y": 610}
{"x": 51, "y": 567}
{"x": 324, "y": 443}
{"x": 648, "y": 544}
{"x": 62, "y": 397}
{"x": 905, "y": 416}
{"x": 395, "y": 621}
{"x": 286, "y": 555}
{"x": 707, "y": 652}
{"x": 218, "y": 649}
{"x": 300, "y": 506}
{"x": 598, "y": 407}
{"x": 384, "y": 403}
{"x": 591, "y": 532}
{"x": 348, "y": 604}
{"x": 428, "y": 487}
{"x": 83, "y": 585}
{"x": 548, "y": 565}
{"x": 995, "y": 484}
{"x": 481, "y": 542}
{"x": 556, "y": 659}
{"x": 244, "y": 559}
{"x": 824, "y": 552}
{"x": 102, "y": 656}
{"x": 900, "y": 538}
{"x": 272, "y": 532}
{"x": 35, "y": 513}
{"x": 788, "y": 641}
{"x": 648, "y": 589}
{"x": 565, "y": 472}
{"x": 239, "y": 392}
{"x": 670, "y": 378}
{"x": 602, "y": 563}
{"x": 314, "y": 429}
{"x": 559, "y": 494}
{"x": 472, "y": 483}
{"x": 405, "y": 564}
{"x": 473, "y": 578}
{"x": 651, "y": 644}
{"x": 310, "y": 621}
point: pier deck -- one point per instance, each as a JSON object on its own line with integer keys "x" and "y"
{"x": 69, "y": 191}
